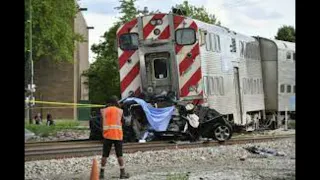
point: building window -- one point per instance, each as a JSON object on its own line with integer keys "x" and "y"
{"x": 294, "y": 88}
{"x": 288, "y": 55}
{"x": 288, "y": 88}
{"x": 282, "y": 88}
{"x": 186, "y": 36}
{"x": 294, "y": 56}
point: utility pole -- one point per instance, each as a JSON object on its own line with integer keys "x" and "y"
{"x": 31, "y": 62}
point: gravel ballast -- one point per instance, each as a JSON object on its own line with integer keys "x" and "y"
{"x": 219, "y": 162}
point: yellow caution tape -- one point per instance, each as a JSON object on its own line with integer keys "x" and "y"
{"x": 58, "y": 107}
{"x": 65, "y": 104}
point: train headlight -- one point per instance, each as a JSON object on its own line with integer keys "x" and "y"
{"x": 189, "y": 107}
{"x": 153, "y": 22}
{"x": 159, "y": 22}
{"x": 156, "y": 31}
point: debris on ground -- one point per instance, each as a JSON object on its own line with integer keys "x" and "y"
{"x": 155, "y": 165}
{"x": 263, "y": 151}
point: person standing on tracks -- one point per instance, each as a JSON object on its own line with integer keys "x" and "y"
{"x": 112, "y": 134}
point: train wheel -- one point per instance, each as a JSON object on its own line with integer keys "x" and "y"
{"x": 222, "y": 132}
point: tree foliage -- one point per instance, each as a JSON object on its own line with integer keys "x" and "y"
{"x": 199, "y": 13}
{"x": 286, "y": 33}
{"x": 52, "y": 29}
{"x": 103, "y": 74}
{"x": 127, "y": 9}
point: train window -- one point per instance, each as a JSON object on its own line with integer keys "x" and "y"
{"x": 261, "y": 86}
{"x": 160, "y": 68}
{"x": 294, "y": 56}
{"x": 218, "y": 43}
{"x": 282, "y": 88}
{"x": 216, "y": 85}
{"x": 186, "y": 36}
{"x": 246, "y": 85}
{"x": 206, "y": 85}
{"x": 288, "y": 55}
{"x": 233, "y": 45}
{"x": 241, "y": 49}
{"x": 208, "y": 42}
{"x": 251, "y": 86}
{"x": 129, "y": 41}
{"x": 294, "y": 88}
{"x": 288, "y": 88}
{"x": 221, "y": 86}
{"x": 202, "y": 37}
{"x": 211, "y": 86}
{"x": 255, "y": 89}
{"x": 213, "y": 42}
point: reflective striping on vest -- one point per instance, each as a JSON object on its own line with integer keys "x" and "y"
{"x": 112, "y": 127}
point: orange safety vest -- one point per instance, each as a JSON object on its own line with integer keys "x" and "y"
{"x": 112, "y": 125}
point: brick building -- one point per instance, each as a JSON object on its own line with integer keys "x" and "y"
{"x": 62, "y": 82}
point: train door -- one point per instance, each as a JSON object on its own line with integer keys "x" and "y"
{"x": 158, "y": 72}
{"x": 236, "y": 81}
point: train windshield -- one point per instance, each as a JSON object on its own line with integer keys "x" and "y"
{"x": 185, "y": 36}
{"x": 129, "y": 41}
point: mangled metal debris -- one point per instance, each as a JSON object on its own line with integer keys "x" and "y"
{"x": 263, "y": 151}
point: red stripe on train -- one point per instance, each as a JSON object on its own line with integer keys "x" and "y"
{"x": 193, "y": 81}
{"x": 127, "y": 27}
{"x": 134, "y": 72}
{"x": 194, "y": 26}
{"x": 165, "y": 33}
{"x": 188, "y": 61}
{"x": 148, "y": 27}
{"x": 178, "y": 48}
{"x": 177, "y": 21}
{"x": 125, "y": 56}
{"x": 137, "y": 92}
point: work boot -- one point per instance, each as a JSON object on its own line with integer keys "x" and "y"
{"x": 123, "y": 174}
{"x": 101, "y": 176}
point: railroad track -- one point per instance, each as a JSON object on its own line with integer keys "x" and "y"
{"x": 57, "y": 150}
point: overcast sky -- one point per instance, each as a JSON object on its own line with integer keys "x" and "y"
{"x": 250, "y": 17}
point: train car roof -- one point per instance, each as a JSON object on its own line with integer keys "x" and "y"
{"x": 223, "y": 30}
{"x": 285, "y": 45}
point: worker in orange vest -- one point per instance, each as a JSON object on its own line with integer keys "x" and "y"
{"x": 112, "y": 133}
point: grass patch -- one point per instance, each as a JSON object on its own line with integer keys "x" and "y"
{"x": 179, "y": 176}
{"x": 44, "y": 131}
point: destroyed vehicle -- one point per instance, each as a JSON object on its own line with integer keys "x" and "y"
{"x": 170, "y": 120}
{"x": 165, "y": 118}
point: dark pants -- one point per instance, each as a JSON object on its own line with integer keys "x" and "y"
{"x": 107, "y": 145}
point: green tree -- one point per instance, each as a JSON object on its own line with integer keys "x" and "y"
{"x": 52, "y": 29}
{"x": 127, "y": 9}
{"x": 199, "y": 13}
{"x": 103, "y": 74}
{"x": 286, "y": 33}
